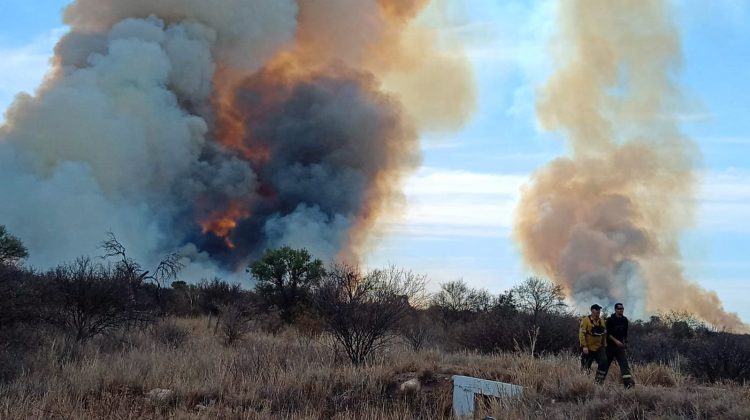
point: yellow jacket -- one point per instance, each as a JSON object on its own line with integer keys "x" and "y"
{"x": 591, "y": 337}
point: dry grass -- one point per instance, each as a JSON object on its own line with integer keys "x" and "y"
{"x": 294, "y": 376}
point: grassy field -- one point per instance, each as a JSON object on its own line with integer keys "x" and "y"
{"x": 292, "y": 375}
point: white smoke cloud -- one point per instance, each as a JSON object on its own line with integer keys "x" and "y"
{"x": 35, "y": 208}
{"x": 108, "y": 144}
{"x": 309, "y": 227}
{"x": 248, "y": 32}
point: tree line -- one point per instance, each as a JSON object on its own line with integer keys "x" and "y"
{"x": 363, "y": 311}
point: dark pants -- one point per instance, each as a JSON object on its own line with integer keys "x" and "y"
{"x": 619, "y": 354}
{"x": 600, "y": 356}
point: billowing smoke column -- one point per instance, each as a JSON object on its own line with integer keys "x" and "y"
{"x": 222, "y": 128}
{"x": 605, "y": 222}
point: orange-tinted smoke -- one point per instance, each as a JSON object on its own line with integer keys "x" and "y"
{"x": 374, "y": 38}
{"x": 605, "y": 222}
{"x": 433, "y": 83}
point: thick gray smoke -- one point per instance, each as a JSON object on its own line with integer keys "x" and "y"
{"x": 326, "y": 141}
{"x": 106, "y": 140}
{"x": 175, "y": 125}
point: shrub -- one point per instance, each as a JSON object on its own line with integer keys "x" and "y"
{"x": 169, "y": 334}
{"x": 361, "y": 311}
{"x": 85, "y": 299}
{"x": 720, "y": 356}
{"x": 235, "y": 322}
{"x": 417, "y": 331}
{"x": 492, "y": 332}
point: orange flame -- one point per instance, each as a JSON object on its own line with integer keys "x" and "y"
{"x": 222, "y": 223}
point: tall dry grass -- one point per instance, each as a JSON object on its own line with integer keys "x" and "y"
{"x": 296, "y": 376}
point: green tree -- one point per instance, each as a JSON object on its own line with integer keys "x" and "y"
{"x": 12, "y": 249}
{"x": 285, "y": 278}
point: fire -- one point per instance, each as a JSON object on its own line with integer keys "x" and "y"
{"x": 231, "y": 129}
{"x": 222, "y": 223}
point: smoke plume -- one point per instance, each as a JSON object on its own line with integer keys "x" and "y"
{"x": 223, "y": 128}
{"x": 605, "y": 222}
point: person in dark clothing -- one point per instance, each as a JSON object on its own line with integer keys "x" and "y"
{"x": 617, "y": 329}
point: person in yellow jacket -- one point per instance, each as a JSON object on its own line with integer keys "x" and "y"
{"x": 593, "y": 339}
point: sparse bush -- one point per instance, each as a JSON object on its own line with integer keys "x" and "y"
{"x": 182, "y": 299}
{"x": 308, "y": 325}
{"x": 236, "y": 321}
{"x": 721, "y": 356}
{"x": 417, "y": 330}
{"x": 170, "y": 334}
{"x": 270, "y": 321}
{"x": 361, "y": 311}
{"x": 492, "y": 332}
{"x": 17, "y": 344}
{"x": 214, "y": 294}
{"x": 653, "y": 342}
{"x": 86, "y": 299}
{"x": 557, "y": 333}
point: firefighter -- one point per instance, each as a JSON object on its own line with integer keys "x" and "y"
{"x": 593, "y": 340}
{"x": 617, "y": 331}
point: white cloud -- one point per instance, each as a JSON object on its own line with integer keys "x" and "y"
{"x": 444, "y": 232}
{"x": 444, "y": 203}
{"x": 438, "y": 181}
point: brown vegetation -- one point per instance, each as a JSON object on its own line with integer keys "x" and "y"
{"x": 87, "y": 340}
{"x": 289, "y": 376}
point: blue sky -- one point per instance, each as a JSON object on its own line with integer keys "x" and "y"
{"x": 461, "y": 201}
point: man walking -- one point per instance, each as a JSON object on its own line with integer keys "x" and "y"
{"x": 593, "y": 340}
{"x": 617, "y": 328}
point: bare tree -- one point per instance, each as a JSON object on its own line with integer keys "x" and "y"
{"x": 88, "y": 299}
{"x": 417, "y": 330}
{"x": 166, "y": 271}
{"x": 457, "y": 301}
{"x": 361, "y": 311}
{"x": 537, "y": 296}
{"x": 543, "y": 301}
